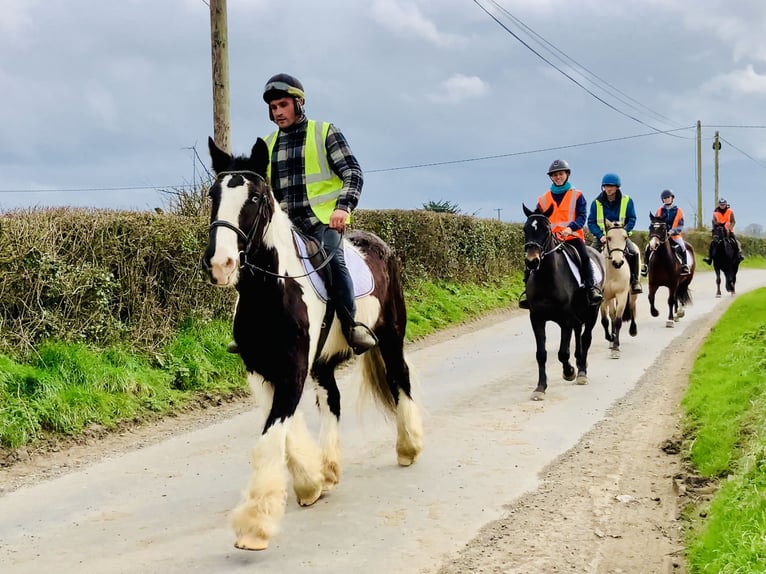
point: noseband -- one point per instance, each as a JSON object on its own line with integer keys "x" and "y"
{"x": 544, "y": 248}
{"x": 660, "y": 231}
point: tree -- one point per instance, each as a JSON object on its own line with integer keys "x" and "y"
{"x": 442, "y": 206}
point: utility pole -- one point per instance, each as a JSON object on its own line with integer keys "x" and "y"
{"x": 699, "y": 174}
{"x": 498, "y": 209}
{"x": 219, "y": 40}
{"x": 716, "y": 147}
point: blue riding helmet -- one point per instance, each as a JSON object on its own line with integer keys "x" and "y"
{"x": 611, "y": 179}
{"x": 666, "y": 193}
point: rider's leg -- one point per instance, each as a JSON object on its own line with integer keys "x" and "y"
{"x": 591, "y": 289}
{"x": 645, "y": 266}
{"x": 631, "y": 252}
{"x": 523, "y": 303}
{"x": 680, "y": 249}
{"x": 710, "y": 253}
{"x": 341, "y": 290}
{"x": 739, "y": 247}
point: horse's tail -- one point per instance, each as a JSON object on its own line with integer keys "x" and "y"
{"x": 374, "y": 381}
{"x": 684, "y": 294}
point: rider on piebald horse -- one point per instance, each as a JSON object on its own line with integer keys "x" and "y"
{"x": 674, "y": 218}
{"x": 613, "y": 205}
{"x": 723, "y": 215}
{"x": 567, "y": 221}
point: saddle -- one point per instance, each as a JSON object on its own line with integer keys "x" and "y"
{"x": 313, "y": 257}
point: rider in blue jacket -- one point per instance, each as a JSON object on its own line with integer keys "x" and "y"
{"x": 617, "y": 207}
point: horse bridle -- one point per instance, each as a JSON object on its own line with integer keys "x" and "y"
{"x": 660, "y": 238}
{"x": 610, "y": 250}
{"x": 548, "y": 241}
{"x": 249, "y": 238}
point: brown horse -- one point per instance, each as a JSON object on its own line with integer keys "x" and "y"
{"x": 665, "y": 271}
{"x": 287, "y": 332}
{"x": 619, "y": 302}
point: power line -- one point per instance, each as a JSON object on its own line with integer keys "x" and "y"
{"x": 527, "y": 152}
{"x": 547, "y": 61}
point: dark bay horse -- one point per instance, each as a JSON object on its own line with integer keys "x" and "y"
{"x": 665, "y": 271}
{"x": 725, "y": 259}
{"x": 285, "y": 336}
{"x": 555, "y": 294}
{"x": 619, "y": 302}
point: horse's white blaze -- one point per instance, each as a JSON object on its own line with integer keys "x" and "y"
{"x": 224, "y": 264}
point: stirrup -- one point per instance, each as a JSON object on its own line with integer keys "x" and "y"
{"x": 635, "y": 287}
{"x": 594, "y": 296}
{"x": 644, "y": 269}
{"x": 361, "y": 338}
{"x": 685, "y": 269}
{"x": 707, "y": 260}
{"x": 232, "y": 347}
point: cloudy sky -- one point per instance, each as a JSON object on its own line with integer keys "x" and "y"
{"x": 104, "y": 102}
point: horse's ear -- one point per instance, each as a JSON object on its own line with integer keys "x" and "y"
{"x": 548, "y": 212}
{"x": 608, "y": 224}
{"x": 259, "y": 156}
{"x": 221, "y": 159}
{"x": 527, "y": 211}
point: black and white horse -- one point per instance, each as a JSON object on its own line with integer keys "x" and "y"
{"x": 278, "y": 327}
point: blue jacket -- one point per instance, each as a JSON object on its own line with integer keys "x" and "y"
{"x": 612, "y": 213}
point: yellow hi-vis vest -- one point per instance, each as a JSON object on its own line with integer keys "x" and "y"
{"x": 323, "y": 186}
{"x": 601, "y": 222}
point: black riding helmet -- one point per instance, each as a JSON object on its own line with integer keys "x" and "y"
{"x": 667, "y": 193}
{"x": 559, "y": 165}
{"x": 282, "y": 86}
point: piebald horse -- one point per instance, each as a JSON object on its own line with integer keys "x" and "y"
{"x": 285, "y": 336}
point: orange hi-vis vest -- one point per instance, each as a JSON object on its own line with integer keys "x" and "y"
{"x": 564, "y": 212}
{"x": 723, "y": 218}
{"x": 676, "y": 220}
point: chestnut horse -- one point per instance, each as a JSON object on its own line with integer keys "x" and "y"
{"x": 285, "y": 335}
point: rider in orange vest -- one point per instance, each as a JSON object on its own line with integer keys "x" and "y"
{"x": 674, "y": 217}
{"x": 723, "y": 215}
{"x": 567, "y": 221}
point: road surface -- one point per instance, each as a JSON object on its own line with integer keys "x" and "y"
{"x": 164, "y": 508}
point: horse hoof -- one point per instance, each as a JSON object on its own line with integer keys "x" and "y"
{"x": 669, "y": 324}
{"x": 654, "y": 312}
{"x": 615, "y": 354}
{"x": 717, "y": 295}
{"x": 251, "y": 542}
{"x": 311, "y": 498}
{"x": 582, "y": 379}
{"x": 538, "y": 396}
{"x": 569, "y": 377}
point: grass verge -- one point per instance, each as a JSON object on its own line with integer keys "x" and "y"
{"x": 725, "y": 422}
{"x": 70, "y": 388}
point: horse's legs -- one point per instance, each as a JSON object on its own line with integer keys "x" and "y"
{"x": 672, "y": 306}
{"x": 257, "y": 517}
{"x": 328, "y": 404}
{"x": 606, "y": 306}
{"x": 568, "y": 371}
{"x": 630, "y": 314}
{"x": 386, "y": 365}
{"x": 652, "y": 292}
{"x": 717, "y": 280}
{"x": 541, "y": 355}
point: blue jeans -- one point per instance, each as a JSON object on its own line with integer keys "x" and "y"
{"x": 341, "y": 288}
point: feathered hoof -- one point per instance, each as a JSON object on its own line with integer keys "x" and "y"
{"x": 538, "y": 396}
{"x": 582, "y": 379}
{"x": 403, "y": 460}
{"x": 670, "y": 324}
{"x": 251, "y": 542}
{"x": 309, "y": 498}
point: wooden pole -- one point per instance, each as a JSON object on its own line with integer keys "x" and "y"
{"x": 220, "y": 58}
{"x": 699, "y": 175}
{"x": 716, "y": 148}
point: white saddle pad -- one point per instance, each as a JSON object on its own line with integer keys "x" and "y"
{"x": 598, "y": 276}
{"x": 361, "y": 276}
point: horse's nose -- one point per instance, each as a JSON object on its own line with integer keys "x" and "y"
{"x": 221, "y": 271}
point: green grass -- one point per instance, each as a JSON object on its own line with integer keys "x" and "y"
{"x": 68, "y": 387}
{"x": 724, "y": 418}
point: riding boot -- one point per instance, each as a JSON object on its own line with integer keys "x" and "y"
{"x": 710, "y": 254}
{"x": 523, "y": 303}
{"x": 592, "y": 291}
{"x": 635, "y": 283}
{"x": 681, "y": 255}
{"x": 645, "y": 266}
{"x": 740, "y": 257}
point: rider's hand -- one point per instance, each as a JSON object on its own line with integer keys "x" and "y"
{"x": 338, "y": 219}
{"x": 566, "y": 232}
{"x": 602, "y": 239}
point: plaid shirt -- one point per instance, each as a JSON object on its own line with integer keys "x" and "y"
{"x": 288, "y": 174}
